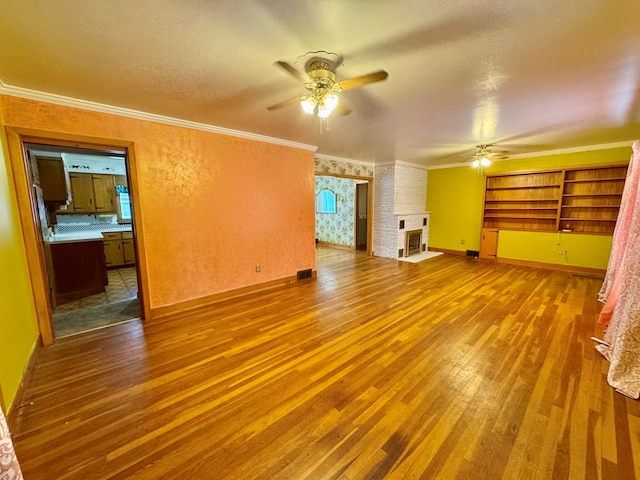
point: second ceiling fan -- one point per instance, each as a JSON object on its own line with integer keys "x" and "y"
{"x": 320, "y": 80}
{"x": 484, "y": 156}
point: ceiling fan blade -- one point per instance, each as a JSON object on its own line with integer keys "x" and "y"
{"x": 291, "y": 70}
{"x": 285, "y": 103}
{"x": 356, "y": 82}
{"x": 342, "y": 109}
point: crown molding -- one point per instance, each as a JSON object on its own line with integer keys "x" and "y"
{"x": 544, "y": 153}
{"x": 28, "y": 94}
{"x": 62, "y": 100}
{"x": 560, "y": 151}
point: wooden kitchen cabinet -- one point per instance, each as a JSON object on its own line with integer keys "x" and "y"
{"x": 91, "y": 193}
{"x": 77, "y": 269}
{"x": 81, "y": 192}
{"x": 52, "y": 179}
{"x": 104, "y": 192}
{"x": 128, "y": 249}
{"x": 118, "y": 249}
{"x": 113, "y": 254}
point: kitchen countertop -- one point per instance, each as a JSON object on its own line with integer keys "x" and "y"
{"x": 75, "y": 237}
{"x": 87, "y": 236}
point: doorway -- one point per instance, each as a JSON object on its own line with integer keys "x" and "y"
{"x": 85, "y": 225}
{"x": 362, "y": 206}
{"x": 349, "y": 224}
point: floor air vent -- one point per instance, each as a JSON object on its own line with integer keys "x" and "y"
{"x": 304, "y": 274}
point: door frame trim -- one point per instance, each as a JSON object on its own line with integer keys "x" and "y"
{"x": 27, "y": 213}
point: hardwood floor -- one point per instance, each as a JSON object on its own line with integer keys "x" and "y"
{"x": 378, "y": 369}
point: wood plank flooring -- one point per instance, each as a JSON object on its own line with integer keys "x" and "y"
{"x": 378, "y": 369}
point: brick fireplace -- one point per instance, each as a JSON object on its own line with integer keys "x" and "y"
{"x": 400, "y": 210}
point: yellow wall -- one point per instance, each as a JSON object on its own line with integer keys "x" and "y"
{"x": 18, "y": 327}
{"x": 584, "y": 250}
{"x": 454, "y": 198}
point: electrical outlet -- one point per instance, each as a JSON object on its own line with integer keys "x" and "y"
{"x": 563, "y": 253}
{"x": 461, "y": 242}
{"x": 258, "y": 268}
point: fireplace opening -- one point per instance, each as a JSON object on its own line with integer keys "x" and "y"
{"x": 412, "y": 242}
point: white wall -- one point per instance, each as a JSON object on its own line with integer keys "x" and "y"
{"x": 410, "y": 190}
{"x": 384, "y": 230}
{"x": 400, "y": 194}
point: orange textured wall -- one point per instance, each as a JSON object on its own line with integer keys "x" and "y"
{"x": 213, "y": 206}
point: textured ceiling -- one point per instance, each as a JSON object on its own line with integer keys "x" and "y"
{"x": 528, "y": 76}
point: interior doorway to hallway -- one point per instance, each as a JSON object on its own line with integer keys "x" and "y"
{"x": 362, "y": 206}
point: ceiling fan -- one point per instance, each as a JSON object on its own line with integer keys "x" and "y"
{"x": 484, "y": 156}
{"x": 320, "y": 80}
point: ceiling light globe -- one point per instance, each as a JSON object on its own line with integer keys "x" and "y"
{"x": 485, "y": 162}
{"x": 308, "y": 104}
{"x": 323, "y": 111}
{"x": 331, "y": 102}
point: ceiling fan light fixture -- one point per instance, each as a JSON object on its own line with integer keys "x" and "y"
{"x": 320, "y": 81}
{"x": 322, "y": 106}
{"x": 481, "y": 158}
{"x": 308, "y": 104}
{"x": 481, "y": 162}
{"x": 323, "y": 111}
{"x": 331, "y": 101}
{"x": 327, "y": 105}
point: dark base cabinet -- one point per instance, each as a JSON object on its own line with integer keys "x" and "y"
{"x": 77, "y": 269}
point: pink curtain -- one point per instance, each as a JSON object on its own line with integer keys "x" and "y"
{"x": 620, "y": 291}
{"x": 9, "y": 467}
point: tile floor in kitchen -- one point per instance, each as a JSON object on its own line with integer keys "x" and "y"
{"x": 123, "y": 285}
